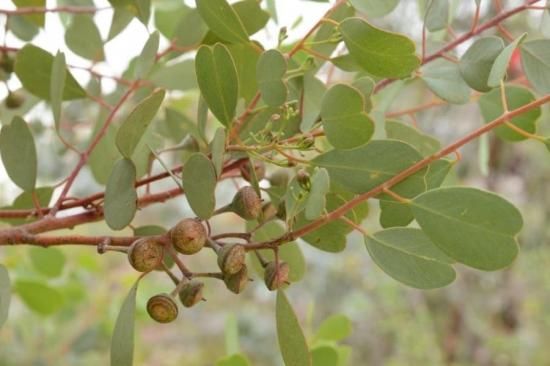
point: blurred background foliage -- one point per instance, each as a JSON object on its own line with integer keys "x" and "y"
{"x": 498, "y": 318}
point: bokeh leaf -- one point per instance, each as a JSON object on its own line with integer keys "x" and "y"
{"x": 57, "y": 85}
{"x": 334, "y": 328}
{"x": 19, "y": 153}
{"x": 375, "y": 8}
{"x": 147, "y": 58}
{"x": 47, "y": 261}
{"x": 535, "y": 59}
{"x": 83, "y": 38}
{"x": 5, "y": 295}
{"x": 39, "y": 296}
{"x": 498, "y": 71}
{"x": 33, "y": 67}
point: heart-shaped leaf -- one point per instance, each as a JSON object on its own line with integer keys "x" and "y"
{"x": 38, "y": 296}
{"x": 476, "y": 64}
{"x": 444, "y": 80}
{"x": 471, "y": 226}
{"x": 345, "y": 121}
{"x": 48, "y": 261}
{"x": 380, "y": 53}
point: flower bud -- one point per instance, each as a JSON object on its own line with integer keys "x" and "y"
{"x": 145, "y": 254}
{"x": 237, "y": 282}
{"x": 279, "y": 178}
{"x": 276, "y": 276}
{"x": 231, "y": 258}
{"x": 162, "y": 308}
{"x": 188, "y": 236}
{"x": 191, "y": 293}
{"x": 303, "y": 179}
{"x": 14, "y": 100}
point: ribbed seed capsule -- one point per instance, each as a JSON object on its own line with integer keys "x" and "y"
{"x": 231, "y": 258}
{"x": 237, "y": 282}
{"x": 145, "y": 254}
{"x": 191, "y": 293}
{"x": 162, "y": 308}
{"x": 188, "y": 236}
{"x": 247, "y": 204}
{"x": 276, "y": 276}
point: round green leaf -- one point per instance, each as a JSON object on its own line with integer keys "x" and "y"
{"x": 292, "y": 342}
{"x": 83, "y": 38}
{"x": 48, "y": 261}
{"x": 410, "y": 257}
{"x": 443, "y": 78}
{"x": 270, "y": 70}
{"x": 316, "y": 200}
{"x": 324, "y": 356}
{"x": 535, "y": 59}
{"x": 437, "y": 15}
{"x": 120, "y": 195}
{"x": 498, "y": 71}
{"x": 375, "y": 8}
{"x": 122, "y": 343}
{"x": 516, "y": 96}
{"x": 222, "y": 19}
{"x": 361, "y": 169}
{"x": 39, "y": 297}
{"x": 425, "y": 144}
{"x": 476, "y": 64}
{"x": 133, "y": 128}
{"x": 334, "y": 328}
{"x": 199, "y": 183}
{"x": 218, "y": 81}
{"x": 5, "y": 294}
{"x": 473, "y": 227}
{"x": 380, "y": 53}
{"x": 33, "y": 67}
{"x": 345, "y": 121}
{"x": 233, "y": 360}
{"x": 19, "y": 153}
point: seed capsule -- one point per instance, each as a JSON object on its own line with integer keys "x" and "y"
{"x": 276, "y": 276}
{"x": 231, "y": 258}
{"x": 162, "y": 308}
{"x": 145, "y": 254}
{"x": 188, "y": 236}
{"x": 191, "y": 293}
{"x": 248, "y": 168}
{"x": 237, "y": 282}
{"x": 246, "y": 203}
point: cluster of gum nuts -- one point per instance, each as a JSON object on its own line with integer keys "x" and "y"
{"x": 188, "y": 237}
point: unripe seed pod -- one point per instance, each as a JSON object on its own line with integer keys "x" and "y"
{"x": 231, "y": 258}
{"x": 191, "y": 293}
{"x": 14, "y": 100}
{"x": 237, "y": 282}
{"x": 246, "y": 203}
{"x": 188, "y": 236}
{"x": 162, "y": 308}
{"x": 276, "y": 276}
{"x": 145, "y": 254}
{"x": 246, "y": 170}
{"x": 279, "y": 178}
